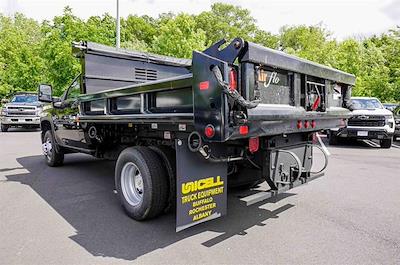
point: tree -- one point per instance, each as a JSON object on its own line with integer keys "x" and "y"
{"x": 309, "y": 42}
{"x": 179, "y": 37}
{"x": 226, "y": 21}
{"x": 20, "y": 63}
{"x": 141, "y": 29}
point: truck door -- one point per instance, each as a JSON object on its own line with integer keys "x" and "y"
{"x": 67, "y": 128}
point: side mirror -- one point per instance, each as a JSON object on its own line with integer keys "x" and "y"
{"x": 45, "y": 93}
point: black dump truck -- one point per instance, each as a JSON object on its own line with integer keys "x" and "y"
{"x": 182, "y": 130}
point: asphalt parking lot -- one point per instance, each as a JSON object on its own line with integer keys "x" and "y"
{"x": 70, "y": 215}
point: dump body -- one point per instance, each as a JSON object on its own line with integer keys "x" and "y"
{"x": 239, "y": 115}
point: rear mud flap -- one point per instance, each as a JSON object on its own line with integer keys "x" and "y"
{"x": 201, "y": 191}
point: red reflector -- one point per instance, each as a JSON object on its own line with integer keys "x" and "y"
{"x": 232, "y": 80}
{"x": 299, "y": 125}
{"x": 254, "y": 144}
{"x": 204, "y": 85}
{"x": 306, "y": 124}
{"x": 209, "y": 131}
{"x": 313, "y": 124}
{"x": 244, "y": 129}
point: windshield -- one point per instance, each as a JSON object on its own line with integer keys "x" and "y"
{"x": 24, "y": 99}
{"x": 366, "y": 103}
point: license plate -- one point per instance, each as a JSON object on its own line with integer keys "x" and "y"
{"x": 362, "y": 133}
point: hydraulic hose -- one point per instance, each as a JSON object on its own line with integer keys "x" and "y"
{"x": 233, "y": 93}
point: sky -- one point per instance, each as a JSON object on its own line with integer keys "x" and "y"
{"x": 344, "y": 18}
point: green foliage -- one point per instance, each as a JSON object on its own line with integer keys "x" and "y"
{"x": 31, "y": 53}
{"x": 179, "y": 37}
{"x": 21, "y": 65}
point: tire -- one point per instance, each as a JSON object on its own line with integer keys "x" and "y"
{"x": 55, "y": 156}
{"x": 4, "y": 128}
{"x": 386, "y": 143}
{"x": 333, "y": 139}
{"x": 145, "y": 196}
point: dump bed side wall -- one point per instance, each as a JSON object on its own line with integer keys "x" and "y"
{"x": 103, "y": 71}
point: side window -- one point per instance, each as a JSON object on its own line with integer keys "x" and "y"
{"x": 74, "y": 90}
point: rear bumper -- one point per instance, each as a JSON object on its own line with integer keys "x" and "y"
{"x": 363, "y": 133}
{"x": 20, "y": 120}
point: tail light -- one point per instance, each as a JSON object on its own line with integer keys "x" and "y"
{"x": 254, "y": 144}
{"x": 232, "y": 79}
{"x": 306, "y": 124}
{"x": 209, "y": 131}
{"x": 299, "y": 125}
{"x": 244, "y": 129}
{"x": 313, "y": 124}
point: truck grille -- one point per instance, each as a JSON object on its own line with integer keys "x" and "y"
{"x": 25, "y": 113}
{"x": 367, "y": 121}
{"x": 21, "y": 108}
{"x": 21, "y": 111}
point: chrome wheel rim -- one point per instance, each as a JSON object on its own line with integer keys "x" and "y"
{"x": 132, "y": 184}
{"x": 46, "y": 147}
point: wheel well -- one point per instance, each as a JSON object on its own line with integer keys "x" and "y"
{"x": 45, "y": 126}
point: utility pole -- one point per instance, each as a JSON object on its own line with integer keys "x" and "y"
{"x": 118, "y": 27}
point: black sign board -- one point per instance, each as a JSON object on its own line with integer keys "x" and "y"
{"x": 201, "y": 193}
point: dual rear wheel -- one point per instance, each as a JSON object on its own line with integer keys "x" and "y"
{"x": 141, "y": 182}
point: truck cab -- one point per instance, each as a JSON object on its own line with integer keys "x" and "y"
{"x": 369, "y": 120}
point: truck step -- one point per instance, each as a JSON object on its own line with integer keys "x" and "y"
{"x": 264, "y": 195}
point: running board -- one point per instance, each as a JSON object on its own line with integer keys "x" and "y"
{"x": 264, "y": 195}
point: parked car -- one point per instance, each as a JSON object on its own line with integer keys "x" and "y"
{"x": 390, "y": 106}
{"x": 370, "y": 120}
{"x": 24, "y": 110}
{"x": 396, "y": 113}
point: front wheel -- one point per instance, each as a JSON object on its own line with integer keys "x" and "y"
{"x": 333, "y": 139}
{"x": 141, "y": 182}
{"x": 4, "y": 128}
{"x": 386, "y": 143}
{"x": 53, "y": 155}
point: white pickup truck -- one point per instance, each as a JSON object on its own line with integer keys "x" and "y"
{"x": 370, "y": 120}
{"x": 24, "y": 110}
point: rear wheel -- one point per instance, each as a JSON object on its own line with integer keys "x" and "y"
{"x": 53, "y": 154}
{"x": 141, "y": 182}
{"x": 386, "y": 143}
{"x": 4, "y": 128}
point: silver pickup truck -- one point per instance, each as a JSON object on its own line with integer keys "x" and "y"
{"x": 24, "y": 110}
{"x": 370, "y": 120}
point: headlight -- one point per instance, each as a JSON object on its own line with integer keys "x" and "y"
{"x": 389, "y": 118}
{"x": 3, "y": 111}
{"x": 397, "y": 121}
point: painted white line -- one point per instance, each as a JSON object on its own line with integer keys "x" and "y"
{"x": 395, "y": 145}
{"x": 371, "y": 143}
{"x": 323, "y": 145}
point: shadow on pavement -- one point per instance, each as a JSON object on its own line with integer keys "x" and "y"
{"x": 22, "y": 130}
{"x": 82, "y": 193}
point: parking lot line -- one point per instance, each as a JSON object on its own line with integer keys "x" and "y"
{"x": 371, "y": 143}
